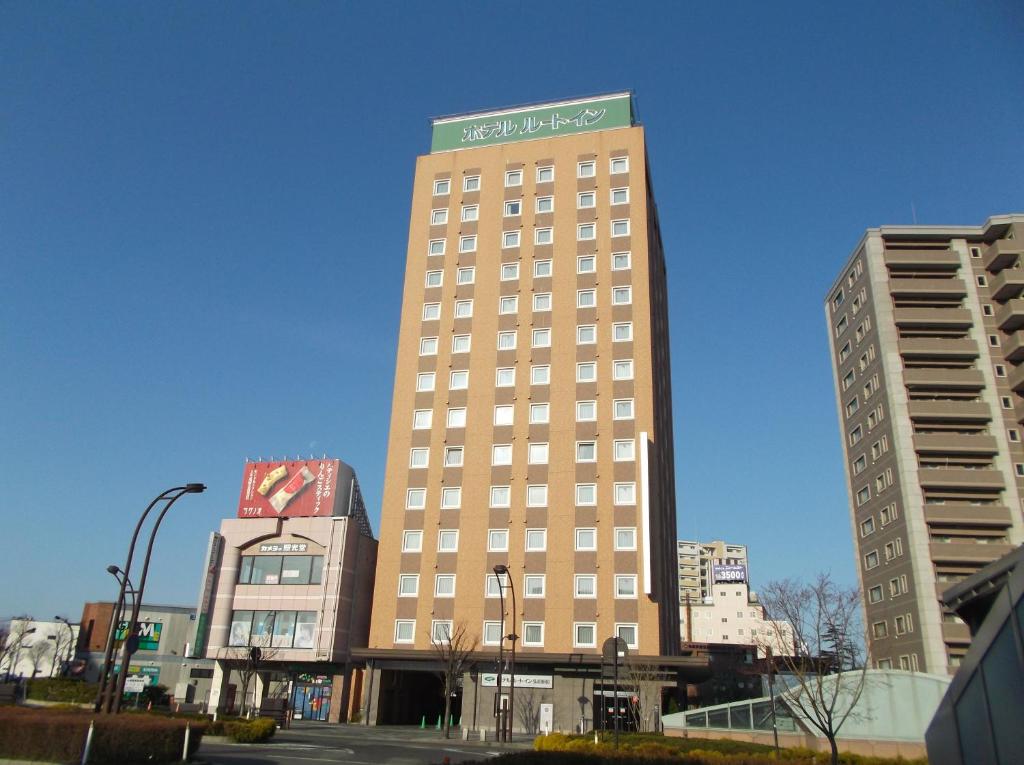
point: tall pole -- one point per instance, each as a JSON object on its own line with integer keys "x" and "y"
{"x": 771, "y": 695}
{"x": 500, "y": 727}
{"x": 122, "y": 676}
{"x": 71, "y": 638}
{"x": 512, "y": 685}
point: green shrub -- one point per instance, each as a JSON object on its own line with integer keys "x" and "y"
{"x": 253, "y": 731}
{"x": 62, "y": 689}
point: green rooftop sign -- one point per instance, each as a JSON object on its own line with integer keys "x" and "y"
{"x": 532, "y": 122}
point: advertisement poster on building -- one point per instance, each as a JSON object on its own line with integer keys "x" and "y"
{"x": 148, "y": 632}
{"x": 289, "y": 489}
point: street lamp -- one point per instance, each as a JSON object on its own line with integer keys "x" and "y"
{"x": 512, "y": 636}
{"x": 71, "y": 639}
{"x": 169, "y": 497}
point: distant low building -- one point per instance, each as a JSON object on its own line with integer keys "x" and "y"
{"x": 35, "y": 648}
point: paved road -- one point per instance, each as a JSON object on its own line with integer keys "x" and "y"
{"x": 307, "y": 743}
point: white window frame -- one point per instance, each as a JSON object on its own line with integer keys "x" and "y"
{"x": 450, "y": 452}
{"x": 536, "y": 416}
{"x": 422, "y": 419}
{"x": 463, "y": 271}
{"x": 470, "y": 213}
{"x": 540, "y": 370}
{"x": 441, "y": 631}
{"x": 593, "y": 405}
{"x": 510, "y": 206}
{"x": 629, "y": 331}
{"x": 494, "y": 583}
{"x": 622, "y": 254}
{"x": 538, "y": 446}
{"x": 540, "y": 203}
{"x": 581, "y": 303}
{"x": 543, "y": 585}
{"x": 542, "y": 547}
{"x": 432, "y": 244}
{"x": 425, "y": 382}
{"x": 586, "y": 371}
{"x": 428, "y": 346}
{"x": 409, "y": 579}
{"x": 624, "y": 167}
{"x": 497, "y": 491}
{"x": 622, "y": 369}
{"x": 586, "y": 169}
{"x": 582, "y": 489}
{"x": 451, "y": 497}
{"x": 510, "y": 239}
{"x": 622, "y": 224}
{"x": 412, "y": 541}
{"x": 589, "y": 259}
{"x": 453, "y": 413}
{"x": 513, "y": 178}
{"x": 592, "y": 444}
{"x": 632, "y": 531}
{"x": 632, "y": 409}
{"x": 493, "y": 639}
{"x": 533, "y": 495}
{"x": 620, "y": 579}
{"x": 439, "y": 216}
{"x": 582, "y": 330}
{"x": 419, "y": 451}
{"x": 447, "y": 534}
{"x": 467, "y": 243}
{"x": 628, "y": 289}
{"x": 620, "y": 626}
{"x": 586, "y": 232}
{"x": 462, "y": 343}
{"x": 414, "y": 496}
{"x": 460, "y": 309}
{"x": 508, "y": 305}
{"x": 583, "y": 196}
{"x": 507, "y": 334}
{"x": 438, "y": 186}
{"x": 467, "y": 183}
{"x": 579, "y": 579}
{"x": 624, "y": 442}
{"x": 509, "y": 373}
{"x": 620, "y": 190}
{"x": 544, "y": 333}
{"x": 499, "y": 452}
{"x": 431, "y": 312}
{"x": 458, "y": 379}
{"x": 503, "y": 409}
{"x": 539, "y": 265}
{"x": 576, "y": 627}
{"x": 492, "y": 535}
{"x": 584, "y": 530}
{"x": 440, "y": 279}
{"x": 542, "y": 233}
{"x": 541, "y": 302}
{"x": 541, "y": 171}
{"x": 400, "y": 627}
{"x": 527, "y": 642}
{"x": 512, "y": 268}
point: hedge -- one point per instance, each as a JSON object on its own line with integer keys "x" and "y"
{"x": 244, "y": 731}
{"x": 59, "y": 736}
{"x": 63, "y": 690}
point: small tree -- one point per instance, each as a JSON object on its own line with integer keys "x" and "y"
{"x": 247, "y": 660}
{"x": 62, "y": 648}
{"x": 647, "y": 679}
{"x": 17, "y": 632}
{"x": 453, "y": 648}
{"x": 828, "y": 667}
{"x": 37, "y": 653}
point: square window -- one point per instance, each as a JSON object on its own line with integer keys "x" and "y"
{"x": 625, "y": 585}
{"x": 408, "y": 585}
{"x": 586, "y": 199}
{"x": 463, "y": 309}
{"x": 586, "y": 411}
{"x": 453, "y": 456}
{"x": 542, "y": 301}
{"x": 514, "y": 178}
{"x": 620, "y": 196}
{"x": 461, "y": 343}
{"x": 404, "y": 630}
{"x": 533, "y": 634}
{"x": 431, "y": 311}
{"x": 586, "y": 231}
{"x": 623, "y": 409}
{"x": 542, "y": 338}
{"x": 505, "y": 377}
{"x": 536, "y": 540}
{"x": 622, "y": 295}
{"x": 506, "y": 341}
{"x": 586, "y": 451}
{"x": 503, "y": 414}
{"x": 540, "y": 413}
{"x": 509, "y": 272}
{"x": 494, "y": 584}
{"x": 438, "y": 217}
{"x": 620, "y": 227}
{"x": 421, "y": 419}
{"x": 451, "y": 497}
{"x": 500, "y": 496}
{"x": 585, "y": 586}
{"x": 627, "y": 632}
{"x": 501, "y": 454}
{"x": 586, "y": 372}
{"x": 622, "y": 369}
{"x": 467, "y": 243}
{"x": 586, "y": 298}
{"x": 471, "y": 183}
{"x": 513, "y": 208}
{"x": 545, "y": 204}
{"x": 586, "y": 540}
{"x": 584, "y": 635}
{"x": 425, "y": 381}
{"x": 428, "y": 346}
{"x": 543, "y": 235}
{"x": 586, "y": 170}
{"x": 541, "y": 268}
{"x": 492, "y": 633}
{"x": 465, "y": 275}
{"x": 497, "y": 540}
{"x": 510, "y": 239}
{"x": 619, "y": 165}
{"x": 545, "y": 174}
{"x": 412, "y": 541}
{"x": 621, "y": 261}
{"x": 419, "y": 457}
{"x": 533, "y": 586}
{"x": 435, "y": 247}
{"x": 586, "y": 494}
{"x": 459, "y": 380}
{"x": 586, "y": 264}
{"x": 508, "y": 304}
{"x": 457, "y": 417}
{"x": 622, "y": 332}
{"x": 538, "y": 454}
{"x": 586, "y": 334}
{"x": 440, "y": 631}
{"x": 415, "y": 499}
{"x": 625, "y": 538}
{"x": 624, "y": 450}
{"x": 442, "y": 187}
{"x": 625, "y": 494}
{"x": 540, "y": 375}
{"x": 434, "y": 278}
{"x": 537, "y": 495}
{"x": 448, "y": 540}
{"x": 470, "y": 213}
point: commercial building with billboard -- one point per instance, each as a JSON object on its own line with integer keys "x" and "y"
{"x": 292, "y": 576}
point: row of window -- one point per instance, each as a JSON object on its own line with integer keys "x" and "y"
{"x": 886, "y": 516}
{"x": 897, "y": 586}
{"x": 584, "y": 634}
{"x": 536, "y": 540}
{"x": 534, "y": 586}
{"x": 586, "y": 372}
{"x": 275, "y": 629}
{"x": 586, "y": 334}
{"x": 509, "y": 304}
{"x": 623, "y": 450}
{"x": 893, "y": 550}
{"x": 281, "y": 569}
{"x": 543, "y": 174}
{"x": 903, "y": 623}
{"x": 585, "y": 200}
{"x": 540, "y": 414}
{"x": 585, "y": 232}
{"x": 536, "y": 495}
{"x": 585, "y": 264}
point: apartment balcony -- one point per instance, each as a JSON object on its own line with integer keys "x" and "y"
{"x": 946, "y": 379}
{"x": 916, "y": 258}
{"x": 957, "y": 634}
{"x": 967, "y": 552}
{"x": 949, "y": 411}
{"x": 1016, "y": 379}
{"x": 943, "y": 288}
{"x": 953, "y": 318}
{"x": 992, "y": 516}
{"x": 1010, "y": 315}
{"x": 1013, "y": 347}
{"x": 955, "y": 443}
{"x": 1001, "y": 254}
{"x": 1007, "y": 284}
{"x": 938, "y": 348}
{"x": 960, "y": 478}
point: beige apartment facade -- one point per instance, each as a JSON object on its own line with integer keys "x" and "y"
{"x": 531, "y": 421}
{"x": 926, "y": 329}
{"x": 702, "y": 564}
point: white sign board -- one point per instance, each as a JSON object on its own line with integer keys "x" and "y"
{"x": 547, "y": 718}
{"x": 135, "y": 684}
{"x": 490, "y": 680}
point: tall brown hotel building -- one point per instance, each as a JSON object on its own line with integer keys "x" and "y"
{"x": 926, "y": 326}
{"x": 531, "y": 425}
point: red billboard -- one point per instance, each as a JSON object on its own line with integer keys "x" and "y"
{"x": 289, "y": 489}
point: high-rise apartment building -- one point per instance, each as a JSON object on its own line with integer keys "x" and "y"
{"x": 696, "y": 562}
{"x": 531, "y": 423}
{"x": 926, "y": 327}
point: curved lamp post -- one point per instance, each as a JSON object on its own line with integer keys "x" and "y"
{"x": 125, "y": 587}
{"x": 498, "y": 571}
{"x": 170, "y": 497}
{"x": 511, "y": 636}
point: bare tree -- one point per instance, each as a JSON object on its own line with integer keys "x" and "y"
{"x": 63, "y": 643}
{"x": 828, "y": 667}
{"x": 37, "y": 653}
{"x": 647, "y": 679}
{"x": 17, "y": 632}
{"x": 528, "y": 709}
{"x": 453, "y": 649}
{"x": 247, "y": 661}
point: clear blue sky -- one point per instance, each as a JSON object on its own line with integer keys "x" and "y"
{"x": 203, "y": 217}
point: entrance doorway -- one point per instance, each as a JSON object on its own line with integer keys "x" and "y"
{"x": 411, "y": 698}
{"x": 311, "y": 697}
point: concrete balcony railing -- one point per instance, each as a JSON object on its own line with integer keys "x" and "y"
{"x": 938, "y": 347}
{"x": 927, "y": 288}
{"x": 1016, "y": 379}
{"x": 948, "y": 379}
{"x": 949, "y": 411}
{"x": 955, "y": 318}
{"x": 1013, "y": 347}
{"x": 916, "y": 258}
{"x": 954, "y": 443}
{"x": 1001, "y": 254}
{"x": 993, "y": 516}
{"x": 1008, "y": 283}
{"x": 967, "y": 552}
{"x": 1010, "y": 315}
{"x": 960, "y": 478}
{"x": 956, "y": 633}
